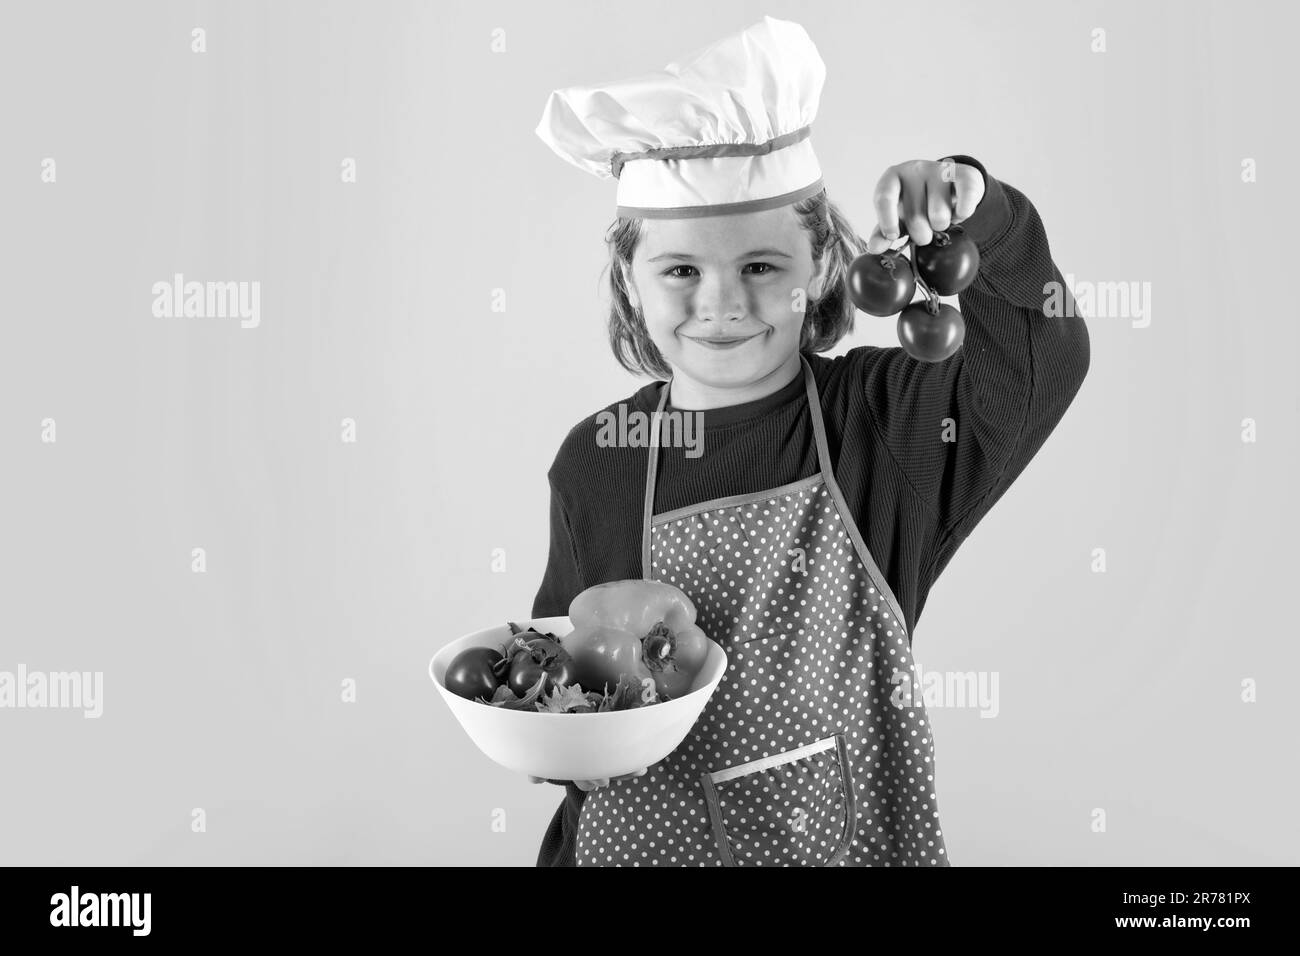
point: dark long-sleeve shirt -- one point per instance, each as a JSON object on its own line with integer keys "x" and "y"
{"x": 914, "y": 496}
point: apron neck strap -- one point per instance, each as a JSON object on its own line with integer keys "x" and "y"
{"x": 652, "y": 466}
{"x": 652, "y": 460}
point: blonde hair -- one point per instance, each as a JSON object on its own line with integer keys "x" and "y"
{"x": 827, "y": 319}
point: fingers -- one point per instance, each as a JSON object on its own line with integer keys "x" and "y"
{"x": 921, "y": 198}
{"x": 876, "y": 242}
{"x": 886, "y": 198}
{"x": 915, "y": 212}
{"x": 970, "y": 190}
{"x": 939, "y": 202}
{"x": 589, "y": 785}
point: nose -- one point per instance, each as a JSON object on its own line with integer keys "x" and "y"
{"x": 721, "y": 299}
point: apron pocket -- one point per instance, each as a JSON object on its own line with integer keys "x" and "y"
{"x": 795, "y": 808}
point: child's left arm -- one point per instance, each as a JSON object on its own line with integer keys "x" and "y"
{"x": 1017, "y": 371}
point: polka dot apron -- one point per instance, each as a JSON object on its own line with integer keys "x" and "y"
{"x": 814, "y": 750}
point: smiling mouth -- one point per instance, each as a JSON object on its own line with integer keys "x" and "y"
{"x": 723, "y": 342}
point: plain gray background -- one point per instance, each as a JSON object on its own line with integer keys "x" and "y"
{"x": 329, "y": 561}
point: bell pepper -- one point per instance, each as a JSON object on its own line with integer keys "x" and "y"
{"x": 642, "y": 629}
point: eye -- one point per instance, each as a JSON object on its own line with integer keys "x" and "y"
{"x": 767, "y": 267}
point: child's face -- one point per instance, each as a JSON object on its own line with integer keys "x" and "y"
{"x": 721, "y": 294}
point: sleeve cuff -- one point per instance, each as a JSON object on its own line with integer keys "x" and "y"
{"x": 992, "y": 217}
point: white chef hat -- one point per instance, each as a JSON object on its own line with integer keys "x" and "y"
{"x": 724, "y": 130}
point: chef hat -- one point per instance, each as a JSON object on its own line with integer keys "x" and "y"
{"x": 723, "y": 131}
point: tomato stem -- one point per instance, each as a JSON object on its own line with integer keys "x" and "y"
{"x": 931, "y": 299}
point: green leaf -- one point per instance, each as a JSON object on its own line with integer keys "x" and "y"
{"x": 626, "y": 696}
{"x": 565, "y": 700}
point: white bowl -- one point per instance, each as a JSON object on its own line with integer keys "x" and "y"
{"x": 574, "y": 746}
